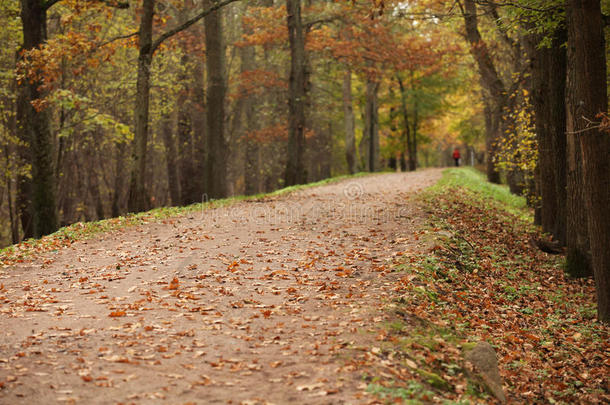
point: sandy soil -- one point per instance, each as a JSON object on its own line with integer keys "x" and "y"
{"x": 260, "y": 302}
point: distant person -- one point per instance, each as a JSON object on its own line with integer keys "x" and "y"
{"x": 456, "y": 157}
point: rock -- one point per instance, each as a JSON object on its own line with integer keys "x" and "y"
{"x": 485, "y": 366}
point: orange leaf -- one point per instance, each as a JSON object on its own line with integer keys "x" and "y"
{"x": 116, "y": 314}
{"x": 174, "y": 284}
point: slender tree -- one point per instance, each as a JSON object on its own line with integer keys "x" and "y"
{"x": 295, "y": 167}
{"x": 496, "y": 97}
{"x": 348, "y": 117}
{"x": 138, "y": 195}
{"x": 217, "y": 146}
{"x": 34, "y": 125}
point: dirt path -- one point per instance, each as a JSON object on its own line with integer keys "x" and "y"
{"x": 253, "y": 303}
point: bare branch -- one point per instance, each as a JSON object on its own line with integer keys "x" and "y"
{"x": 168, "y": 34}
{"x": 50, "y": 3}
{"x": 133, "y": 34}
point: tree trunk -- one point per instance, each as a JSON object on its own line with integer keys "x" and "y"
{"x": 9, "y": 197}
{"x": 24, "y": 183}
{"x": 217, "y": 145}
{"x": 493, "y": 116}
{"x": 138, "y": 196}
{"x": 495, "y": 98}
{"x": 116, "y": 209}
{"x": 252, "y": 183}
{"x": 34, "y": 127}
{"x": 586, "y": 98}
{"x": 198, "y": 136}
{"x": 372, "y": 125}
{"x": 93, "y": 181}
{"x": 548, "y": 99}
{"x": 407, "y": 126}
{"x": 413, "y": 146}
{"x": 295, "y": 166}
{"x": 348, "y": 117}
{"x": 186, "y": 157}
{"x": 171, "y": 159}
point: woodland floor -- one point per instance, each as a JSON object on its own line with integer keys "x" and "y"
{"x": 263, "y": 300}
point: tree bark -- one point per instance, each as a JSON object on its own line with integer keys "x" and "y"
{"x": 586, "y": 98}
{"x": 217, "y": 145}
{"x": 548, "y": 99}
{"x": 295, "y": 166}
{"x": 138, "y": 195}
{"x": 348, "y": 117}
{"x": 34, "y": 127}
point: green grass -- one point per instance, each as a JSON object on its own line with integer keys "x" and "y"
{"x": 491, "y": 195}
{"x": 83, "y": 230}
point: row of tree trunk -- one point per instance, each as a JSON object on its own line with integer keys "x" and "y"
{"x": 569, "y": 92}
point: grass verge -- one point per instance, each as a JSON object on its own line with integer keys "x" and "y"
{"x": 83, "y": 230}
{"x": 481, "y": 280}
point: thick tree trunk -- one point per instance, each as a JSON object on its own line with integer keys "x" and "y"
{"x": 586, "y": 98}
{"x": 171, "y": 159}
{"x": 217, "y": 145}
{"x": 578, "y": 258}
{"x": 138, "y": 195}
{"x": 371, "y": 125}
{"x": 34, "y": 127}
{"x": 295, "y": 166}
{"x": 548, "y": 99}
{"x": 348, "y": 117}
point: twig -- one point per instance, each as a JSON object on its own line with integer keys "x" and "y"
{"x": 188, "y": 23}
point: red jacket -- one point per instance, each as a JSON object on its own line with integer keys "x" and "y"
{"x": 456, "y": 154}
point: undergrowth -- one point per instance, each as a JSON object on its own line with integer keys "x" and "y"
{"x": 481, "y": 280}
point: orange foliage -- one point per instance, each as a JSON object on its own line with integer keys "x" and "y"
{"x": 253, "y": 82}
{"x": 268, "y": 134}
{"x": 267, "y": 27}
